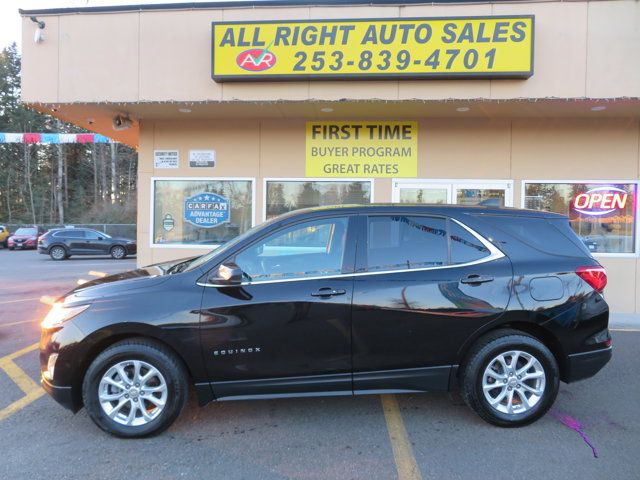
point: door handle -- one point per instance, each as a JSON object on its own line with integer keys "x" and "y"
{"x": 476, "y": 279}
{"x": 328, "y": 292}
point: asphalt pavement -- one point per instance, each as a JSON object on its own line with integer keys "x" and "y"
{"x": 593, "y": 431}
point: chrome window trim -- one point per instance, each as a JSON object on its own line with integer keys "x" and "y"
{"x": 494, "y": 254}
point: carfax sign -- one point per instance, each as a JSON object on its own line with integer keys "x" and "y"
{"x": 362, "y": 149}
{"x": 452, "y": 47}
{"x": 206, "y": 210}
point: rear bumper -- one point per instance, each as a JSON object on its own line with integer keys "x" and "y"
{"x": 63, "y": 395}
{"x": 587, "y": 364}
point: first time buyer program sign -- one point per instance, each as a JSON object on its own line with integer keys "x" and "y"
{"x": 362, "y": 149}
{"x": 450, "y": 47}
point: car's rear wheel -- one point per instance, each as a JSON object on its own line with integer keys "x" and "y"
{"x": 135, "y": 388}
{"x": 118, "y": 252}
{"x": 58, "y": 253}
{"x": 511, "y": 379}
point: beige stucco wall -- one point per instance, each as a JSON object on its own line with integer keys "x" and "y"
{"x": 572, "y": 149}
{"x": 582, "y": 49}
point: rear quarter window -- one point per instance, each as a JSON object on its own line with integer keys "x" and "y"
{"x": 549, "y": 235}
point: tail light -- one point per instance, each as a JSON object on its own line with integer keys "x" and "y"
{"x": 596, "y": 277}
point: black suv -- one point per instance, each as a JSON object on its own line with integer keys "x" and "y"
{"x": 61, "y": 243}
{"x": 501, "y": 303}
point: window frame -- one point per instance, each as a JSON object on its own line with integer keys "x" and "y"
{"x": 211, "y": 246}
{"x": 452, "y": 184}
{"x": 265, "y": 180}
{"x": 636, "y": 182}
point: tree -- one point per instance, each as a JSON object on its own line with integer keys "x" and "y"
{"x": 66, "y": 183}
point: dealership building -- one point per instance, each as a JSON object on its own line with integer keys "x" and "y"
{"x": 241, "y": 111}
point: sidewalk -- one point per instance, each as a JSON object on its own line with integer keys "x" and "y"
{"x": 624, "y": 320}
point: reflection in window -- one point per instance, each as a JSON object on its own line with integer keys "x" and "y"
{"x": 464, "y": 246}
{"x": 287, "y": 195}
{"x": 310, "y": 249}
{"x": 399, "y": 242}
{"x": 602, "y": 215}
{"x": 170, "y": 225}
{"x": 424, "y": 195}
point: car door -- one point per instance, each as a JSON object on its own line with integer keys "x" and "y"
{"x": 96, "y": 243}
{"x": 428, "y": 284}
{"x": 287, "y": 327}
{"x": 76, "y": 241}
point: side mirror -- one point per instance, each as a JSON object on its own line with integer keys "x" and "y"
{"x": 230, "y": 273}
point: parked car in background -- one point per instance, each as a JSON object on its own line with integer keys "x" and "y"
{"x": 4, "y": 236}
{"x": 500, "y": 303}
{"x": 61, "y": 243}
{"x": 24, "y": 238}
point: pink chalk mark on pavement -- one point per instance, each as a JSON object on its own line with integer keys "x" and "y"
{"x": 574, "y": 424}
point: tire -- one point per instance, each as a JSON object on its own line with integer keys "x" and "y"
{"x": 170, "y": 374}
{"x": 57, "y": 253}
{"x": 515, "y": 403}
{"x": 11, "y": 248}
{"x": 118, "y": 252}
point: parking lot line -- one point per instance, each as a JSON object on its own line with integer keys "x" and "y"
{"x": 19, "y": 353}
{"x": 24, "y": 381}
{"x": 9, "y": 324}
{"x": 21, "y": 300}
{"x": 625, "y": 329}
{"x": 406, "y": 464}
{"x": 21, "y": 403}
{"x": 32, "y": 390}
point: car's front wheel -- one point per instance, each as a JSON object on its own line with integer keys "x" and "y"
{"x": 135, "y": 388}
{"x": 118, "y": 252}
{"x": 58, "y": 253}
{"x": 511, "y": 379}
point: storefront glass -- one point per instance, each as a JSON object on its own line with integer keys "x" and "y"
{"x": 285, "y": 195}
{"x": 200, "y": 212}
{"x": 603, "y": 215}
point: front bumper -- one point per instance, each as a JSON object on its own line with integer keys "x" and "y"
{"x": 63, "y": 395}
{"x": 587, "y": 364}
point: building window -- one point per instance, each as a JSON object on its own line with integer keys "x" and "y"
{"x": 282, "y": 196}
{"x": 601, "y": 214}
{"x": 200, "y": 211}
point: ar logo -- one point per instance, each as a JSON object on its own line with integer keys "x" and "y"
{"x": 256, "y": 60}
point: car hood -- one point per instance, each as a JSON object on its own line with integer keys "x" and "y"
{"x": 119, "y": 283}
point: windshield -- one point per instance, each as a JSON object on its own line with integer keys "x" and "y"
{"x": 199, "y": 261}
{"x": 26, "y": 231}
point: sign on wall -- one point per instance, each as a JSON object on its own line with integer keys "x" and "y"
{"x": 206, "y": 210}
{"x": 451, "y": 47}
{"x": 202, "y": 158}
{"x": 166, "y": 159}
{"x": 362, "y": 149}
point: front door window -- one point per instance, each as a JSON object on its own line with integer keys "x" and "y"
{"x": 309, "y": 249}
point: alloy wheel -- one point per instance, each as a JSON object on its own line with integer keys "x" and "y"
{"x": 57, "y": 253}
{"x": 117, "y": 252}
{"x": 132, "y": 393}
{"x": 513, "y": 382}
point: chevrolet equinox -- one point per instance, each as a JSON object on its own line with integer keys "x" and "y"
{"x": 501, "y": 304}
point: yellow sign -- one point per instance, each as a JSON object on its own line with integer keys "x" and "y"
{"x": 453, "y": 47}
{"x": 362, "y": 149}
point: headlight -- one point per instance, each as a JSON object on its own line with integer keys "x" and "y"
{"x": 59, "y": 314}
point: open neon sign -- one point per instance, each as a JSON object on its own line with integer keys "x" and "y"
{"x": 600, "y": 201}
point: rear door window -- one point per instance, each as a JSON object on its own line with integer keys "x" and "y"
{"x": 402, "y": 242}
{"x": 465, "y": 247}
